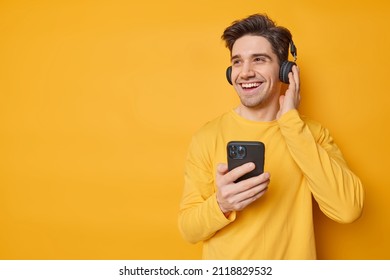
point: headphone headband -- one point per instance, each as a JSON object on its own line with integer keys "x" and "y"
{"x": 293, "y": 50}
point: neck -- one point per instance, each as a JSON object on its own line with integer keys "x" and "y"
{"x": 255, "y": 115}
{"x": 260, "y": 113}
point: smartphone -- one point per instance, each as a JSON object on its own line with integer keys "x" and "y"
{"x": 240, "y": 152}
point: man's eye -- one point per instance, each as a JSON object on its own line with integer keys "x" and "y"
{"x": 260, "y": 59}
{"x": 235, "y": 62}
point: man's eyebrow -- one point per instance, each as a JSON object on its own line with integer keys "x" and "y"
{"x": 262, "y": 54}
{"x": 252, "y": 56}
{"x": 235, "y": 57}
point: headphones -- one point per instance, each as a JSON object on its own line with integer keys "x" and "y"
{"x": 285, "y": 67}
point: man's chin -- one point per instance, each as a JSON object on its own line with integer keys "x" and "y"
{"x": 251, "y": 104}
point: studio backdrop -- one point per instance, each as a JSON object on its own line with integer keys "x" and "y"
{"x": 99, "y": 100}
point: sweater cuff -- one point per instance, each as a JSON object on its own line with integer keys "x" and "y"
{"x": 221, "y": 218}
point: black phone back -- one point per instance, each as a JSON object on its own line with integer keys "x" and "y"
{"x": 240, "y": 152}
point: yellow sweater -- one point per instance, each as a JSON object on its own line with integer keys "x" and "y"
{"x": 303, "y": 162}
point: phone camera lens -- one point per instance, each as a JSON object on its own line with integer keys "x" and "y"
{"x": 233, "y": 153}
{"x": 241, "y": 150}
{"x": 237, "y": 152}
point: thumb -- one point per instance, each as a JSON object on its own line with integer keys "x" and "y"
{"x": 222, "y": 168}
{"x": 281, "y": 101}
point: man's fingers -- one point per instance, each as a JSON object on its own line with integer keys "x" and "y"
{"x": 239, "y": 171}
{"x": 243, "y": 199}
{"x": 294, "y": 80}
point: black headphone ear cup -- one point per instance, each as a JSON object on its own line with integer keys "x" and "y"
{"x": 229, "y": 75}
{"x": 285, "y": 68}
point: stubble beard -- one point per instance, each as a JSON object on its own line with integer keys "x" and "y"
{"x": 259, "y": 101}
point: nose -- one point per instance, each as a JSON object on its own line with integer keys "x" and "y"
{"x": 247, "y": 71}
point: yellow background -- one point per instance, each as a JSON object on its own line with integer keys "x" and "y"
{"x": 99, "y": 99}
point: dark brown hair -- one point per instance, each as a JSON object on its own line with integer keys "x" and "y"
{"x": 260, "y": 25}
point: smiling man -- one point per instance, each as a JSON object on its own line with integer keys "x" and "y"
{"x": 255, "y": 70}
{"x": 260, "y": 217}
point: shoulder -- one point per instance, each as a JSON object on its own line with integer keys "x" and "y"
{"x": 210, "y": 129}
{"x": 203, "y": 142}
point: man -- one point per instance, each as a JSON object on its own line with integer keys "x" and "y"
{"x": 267, "y": 216}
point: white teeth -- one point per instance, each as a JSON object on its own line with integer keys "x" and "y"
{"x": 250, "y": 85}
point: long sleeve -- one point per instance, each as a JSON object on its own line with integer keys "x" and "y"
{"x": 200, "y": 216}
{"x": 338, "y": 191}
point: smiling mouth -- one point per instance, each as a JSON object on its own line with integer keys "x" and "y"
{"x": 250, "y": 85}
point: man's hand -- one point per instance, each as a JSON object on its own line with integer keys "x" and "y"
{"x": 236, "y": 196}
{"x": 291, "y": 99}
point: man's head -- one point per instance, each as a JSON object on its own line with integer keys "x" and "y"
{"x": 257, "y": 49}
{"x": 260, "y": 25}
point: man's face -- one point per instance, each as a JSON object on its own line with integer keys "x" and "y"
{"x": 255, "y": 72}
